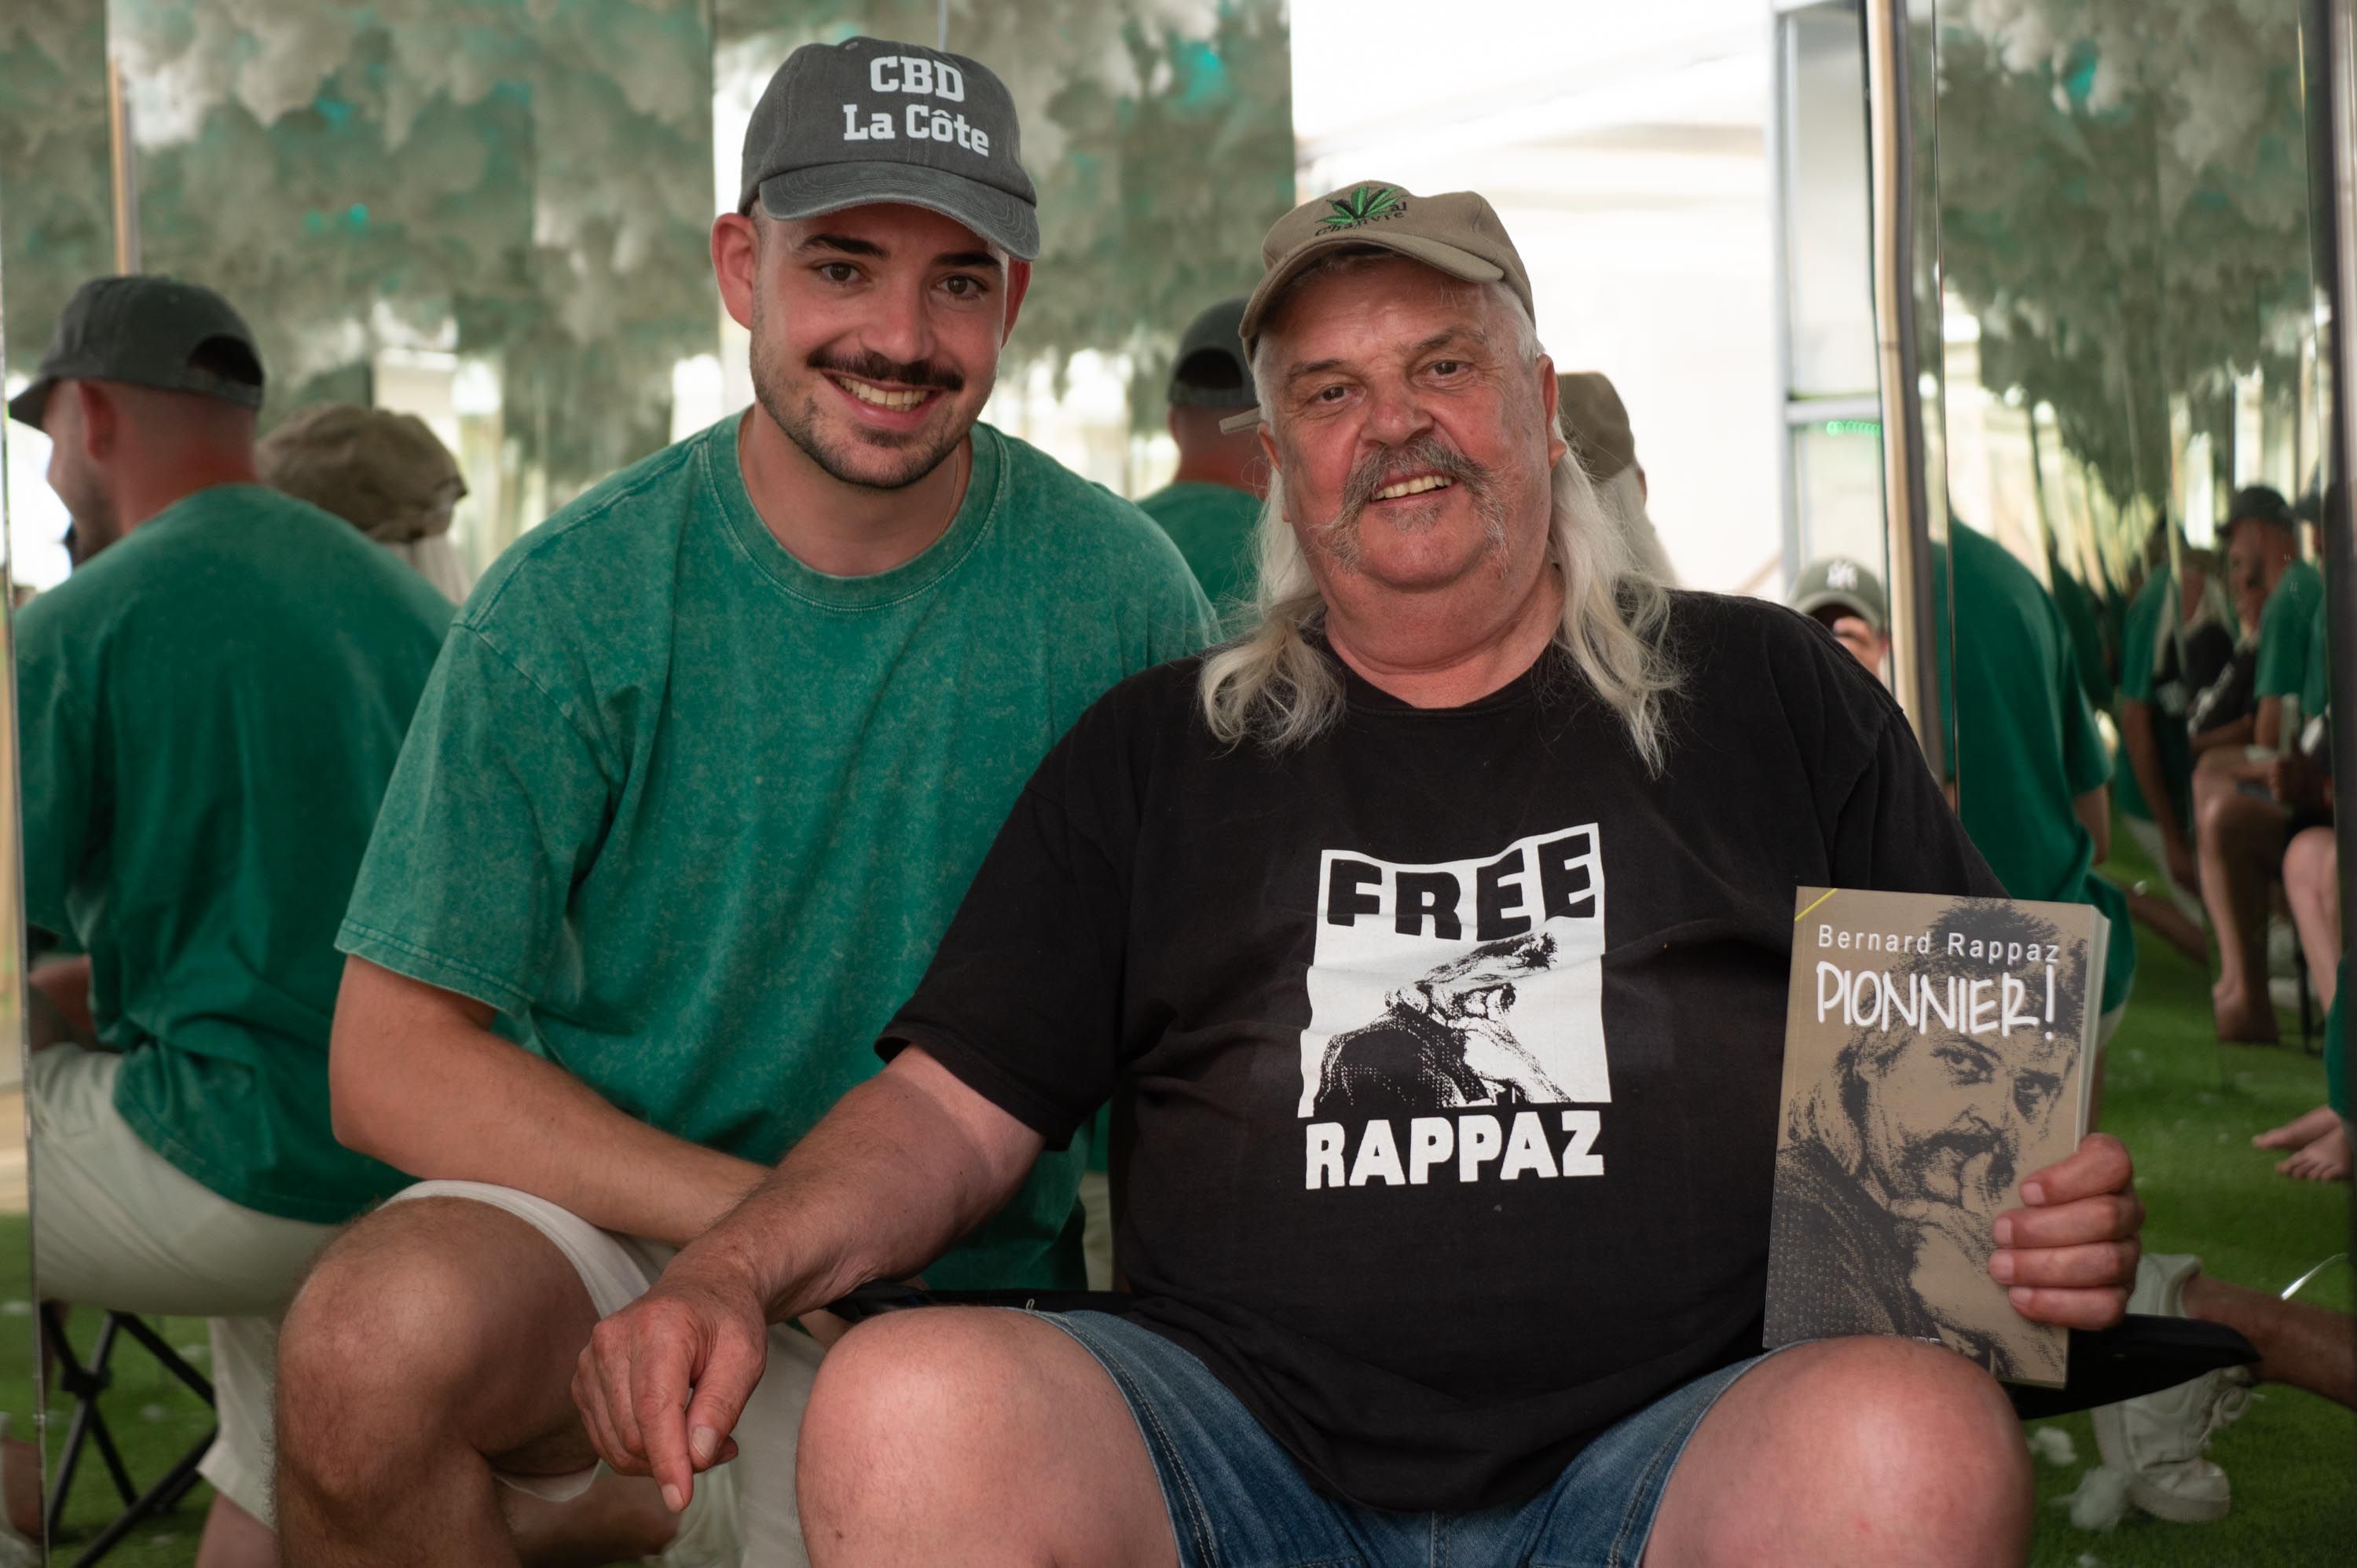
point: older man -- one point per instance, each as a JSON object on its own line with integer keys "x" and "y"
{"x": 1469, "y": 1282}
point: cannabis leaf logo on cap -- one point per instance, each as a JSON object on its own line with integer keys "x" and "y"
{"x": 1364, "y": 205}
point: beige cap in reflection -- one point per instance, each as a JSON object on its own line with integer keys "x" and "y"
{"x": 386, "y": 474}
{"x": 1595, "y": 423}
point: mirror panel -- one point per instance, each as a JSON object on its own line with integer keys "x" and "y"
{"x": 2132, "y": 342}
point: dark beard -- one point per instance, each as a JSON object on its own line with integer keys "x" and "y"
{"x": 915, "y": 454}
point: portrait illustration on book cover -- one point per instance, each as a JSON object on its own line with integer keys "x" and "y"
{"x": 1934, "y": 1058}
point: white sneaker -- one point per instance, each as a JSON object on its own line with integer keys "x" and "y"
{"x": 709, "y": 1535}
{"x": 2156, "y": 1440}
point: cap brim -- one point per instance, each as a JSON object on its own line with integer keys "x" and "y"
{"x": 1448, "y": 259}
{"x": 1007, "y": 222}
{"x": 1840, "y": 600}
{"x": 28, "y": 406}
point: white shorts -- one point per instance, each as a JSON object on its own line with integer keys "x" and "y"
{"x": 121, "y": 1226}
{"x": 753, "y": 1500}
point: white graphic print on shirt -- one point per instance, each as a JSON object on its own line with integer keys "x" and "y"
{"x": 1471, "y": 984}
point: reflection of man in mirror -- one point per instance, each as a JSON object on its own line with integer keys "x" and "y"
{"x": 2240, "y": 826}
{"x": 1209, "y": 507}
{"x": 387, "y": 474}
{"x": 1896, "y": 1166}
{"x": 1595, "y": 422}
{"x": 210, "y": 706}
{"x": 1845, "y": 597}
{"x": 705, "y": 765}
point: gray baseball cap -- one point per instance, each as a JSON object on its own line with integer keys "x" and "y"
{"x": 867, "y": 120}
{"x": 1844, "y": 584}
{"x": 143, "y": 329}
{"x": 1210, "y": 371}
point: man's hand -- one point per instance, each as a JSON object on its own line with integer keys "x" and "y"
{"x": 2069, "y": 1254}
{"x": 1951, "y": 1274}
{"x": 696, "y": 1332}
{"x": 2298, "y": 783}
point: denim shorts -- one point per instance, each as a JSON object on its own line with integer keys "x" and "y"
{"x": 1237, "y": 1499}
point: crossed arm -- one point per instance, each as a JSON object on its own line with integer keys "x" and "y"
{"x": 907, "y": 1162}
{"x": 416, "y": 1079}
{"x": 901, "y": 1168}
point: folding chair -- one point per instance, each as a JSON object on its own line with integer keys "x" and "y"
{"x": 86, "y": 1381}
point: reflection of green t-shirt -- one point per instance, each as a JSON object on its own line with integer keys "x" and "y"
{"x": 2026, "y": 742}
{"x": 1213, "y": 526}
{"x": 2283, "y": 628}
{"x": 700, "y": 813}
{"x": 2316, "y": 682}
{"x": 211, "y": 711}
{"x": 2140, "y": 647}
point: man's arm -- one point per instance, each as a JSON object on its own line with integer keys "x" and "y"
{"x": 2234, "y": 736}
{"x": 901, "y": 1168}
{"x": 2266, "y": 728}
{"x": 2142, "y": 744}
{"x": 416, "y": 1079}
{"x": 2093, "y": 810}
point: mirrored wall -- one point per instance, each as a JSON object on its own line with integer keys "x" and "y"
{"x": 2132, "y": 340}
{"x": 495, "y": 216}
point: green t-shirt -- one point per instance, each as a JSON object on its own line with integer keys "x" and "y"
{"x": 2316, "y": 681}
{"x": 1213, "y": 526}
{"x": 2027, "y": 743}
{"x": 2283, "y": 628}
{"x": 694, "y": 815}
{"x": 209, "y": 712}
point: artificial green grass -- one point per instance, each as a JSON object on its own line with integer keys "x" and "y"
{"x": 2185, "y": 1105}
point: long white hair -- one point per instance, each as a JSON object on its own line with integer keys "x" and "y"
{"x": 1272, "y": 686}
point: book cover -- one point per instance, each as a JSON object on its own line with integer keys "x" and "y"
{"x": 1937, "y": 1050}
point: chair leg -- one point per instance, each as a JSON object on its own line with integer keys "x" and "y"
{"x": 86, "y": 1381}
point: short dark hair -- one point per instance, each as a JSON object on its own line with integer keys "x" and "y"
{"x": 2260, "y": 503}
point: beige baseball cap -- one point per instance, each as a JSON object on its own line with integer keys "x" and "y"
{"x": 1596, "y": 422}
{"x": 1459, "y": 233}
{"x": 386, "y": 474}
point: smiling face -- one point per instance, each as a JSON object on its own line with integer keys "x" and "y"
{"x": 1414, "y": 429}
{"x": 876, "y": 333}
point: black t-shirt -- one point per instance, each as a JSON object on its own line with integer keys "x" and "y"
{"x": 1448, "y": 1047}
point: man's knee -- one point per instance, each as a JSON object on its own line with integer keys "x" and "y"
{"x": 1916, "y": 1432}
{"x": 889, "y": 1382}
{"x": 383, "y": 1339}
{"x": 940, "y": 1398}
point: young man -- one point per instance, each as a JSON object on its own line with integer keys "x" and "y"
{"x": 695, "y": 790}
{"x": 210, "y": 706}
{"x": 2240, "y": 828}
{"x": 1210, "y": 504}
{"x": 1481, "y": 820}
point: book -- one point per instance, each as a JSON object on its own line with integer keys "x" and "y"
{"x": 1937, "y": 1050}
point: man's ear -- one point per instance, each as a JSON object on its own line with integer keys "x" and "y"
{"x": 1018, "y": 284}
{"x": 1549, "y": 395}
{"x": 101, "y": 429}
{"x": 736, "y": 264}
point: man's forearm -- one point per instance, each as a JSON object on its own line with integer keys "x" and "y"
{"x": 2143, "y": 746}
{"x": 898, "y": 1171}
{"x": 428, "y": 1089}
